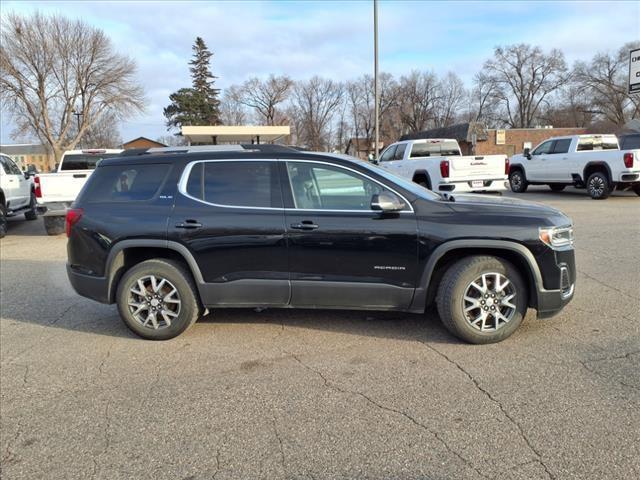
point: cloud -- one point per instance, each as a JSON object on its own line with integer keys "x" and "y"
{"x": 332, "y": 39}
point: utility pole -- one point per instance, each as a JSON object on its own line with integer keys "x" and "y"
{"x": 376, "y": 89}
{"x": 77, "y": 115}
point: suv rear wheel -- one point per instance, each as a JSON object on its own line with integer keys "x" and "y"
{"x": 482, "y": 299}
{"x": 157, "y": 299}
{"x": 598, "y": 186}
{"x": 518, "y": 181}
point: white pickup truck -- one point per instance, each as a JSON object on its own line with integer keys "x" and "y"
{"x": 17, "y": 193}
{"x": 55, "y": 192}
{"x": 594, "y": 162}
{"x": 438, "y": 164}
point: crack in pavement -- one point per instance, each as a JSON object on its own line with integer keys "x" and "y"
{"x": 218, "y": 452}
{"x": 386, "y": 408}
{"x": 107, "y": 439}
{"x": 282, "y": 457}
{"x": 597, "y": 280}
{"x": 498, "y": 404}
{"x": 602, "y": 375}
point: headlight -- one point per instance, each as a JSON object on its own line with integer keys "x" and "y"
{"x": 557, "y": 238}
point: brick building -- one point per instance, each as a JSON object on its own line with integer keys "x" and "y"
{"x": 491, "y": 141}
{"x": 25, "y": 154}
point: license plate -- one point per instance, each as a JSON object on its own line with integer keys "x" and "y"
{"x": 477, "y": 184}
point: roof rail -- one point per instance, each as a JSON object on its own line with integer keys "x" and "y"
{"x": 267, "y": 148}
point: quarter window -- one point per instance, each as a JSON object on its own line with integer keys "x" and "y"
{"x": 236, "y": 184}
{"x": 119, "y": 183}
{"x": 324, "y": 187}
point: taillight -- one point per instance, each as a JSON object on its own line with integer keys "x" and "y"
{"x": 628, "y": 160}
{"x": 444, "y": 168}
{"x": 506, "y": 165}
{"x": 36, "y": 183}
{"x": 73, "y": 216}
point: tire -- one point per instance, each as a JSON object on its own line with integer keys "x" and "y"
{"x": 518, "y": 181}
{"x": 556, "y": 187}
{"x": 54, "y": 225}
{"x": 598, "y": 186}
{"x": 456, "y": 286}
{"x": 32, "y": 213}
{"x": 181, "y": 316}
{"x": 3, "y": 220}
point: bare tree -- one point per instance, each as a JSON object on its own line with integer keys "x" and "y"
{"x": 418, "y": 96}
{"x": 571, "y": 108}
{"x": 483, "y": 102}
{"x": 604, "y": 78}
{"x": 232, "y": 110}
{"x": 104, "y": 133}
{"x": 451, "y": 98}
{"x": 265, "y": 95}
{"x": 54, "y": 70}
{"x": 172, "y": 140}
{"x": 314, "y": 105}
{"x": 523, "y": 77}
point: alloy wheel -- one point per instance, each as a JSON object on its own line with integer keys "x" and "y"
{"x": 488, "y": 302}
{"x": 154, "y": 302}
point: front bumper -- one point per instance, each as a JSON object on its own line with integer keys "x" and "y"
{"x": 550, "y": 302}
{"x": 95, "y": 288}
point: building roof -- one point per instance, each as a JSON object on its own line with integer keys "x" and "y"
{"x": 154, "y": 142}
{"x": 461, "y": 132}
{"x": 234, "y": 134}
{"x": 24, "y": 149}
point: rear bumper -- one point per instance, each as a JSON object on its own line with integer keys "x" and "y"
{"x": 466, "y": 186}
{"x": 95, "y": 288}
{"x": 53, "y": 209}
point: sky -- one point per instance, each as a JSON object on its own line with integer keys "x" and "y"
{"x": 331, "y": 38}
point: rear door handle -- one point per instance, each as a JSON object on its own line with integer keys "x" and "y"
{"x": 189, "y": 224}
{"x": 304, "y": 225}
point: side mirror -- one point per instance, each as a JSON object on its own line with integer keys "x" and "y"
{"x": 527, "y": 153}
{"x": 372, "y": 159}
{"x": 386, "y": 202}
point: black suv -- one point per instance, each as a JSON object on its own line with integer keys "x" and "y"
{"x": 168, "y": 233}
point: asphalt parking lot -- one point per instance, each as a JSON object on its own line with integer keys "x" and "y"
{"x": 324, "y": 394}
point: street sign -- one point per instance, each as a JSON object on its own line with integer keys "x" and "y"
{"x": 501, "y": 137}
{"x": 634, "y": 71}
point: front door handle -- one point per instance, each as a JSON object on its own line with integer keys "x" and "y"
{"x": 189, "y": 224}
{"x": 304, "y": 225}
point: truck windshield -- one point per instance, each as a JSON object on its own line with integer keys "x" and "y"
{"x": 432, "y": 148}
{"x": 84, "y": 161}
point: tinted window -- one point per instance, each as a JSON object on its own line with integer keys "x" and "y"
{"x": 236, "y": 184}
{"x": 81, "y": 161}
{"x": 400, "y": 151}
{"x": 388, "y": 154}
{"x": 9, "y": 167}
{"x": 562, "y": 146}
{"x": 323, "y": 187}
{"x": 435, "y": 148}
{"x": 597, "y": 142}
{"x": 629, "y": 142}
{"x": 546, "y": 147}
{"x": 125, "y": 183}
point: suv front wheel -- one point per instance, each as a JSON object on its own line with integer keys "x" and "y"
{"x": 482, "y": 299}
{"x": 157, "y": 299}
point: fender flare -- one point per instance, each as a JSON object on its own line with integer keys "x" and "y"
{"x": 115, "y": 259}
{"x": 597, "y": 163}
{"x": 422, "y": 172}
{"x": 533, "y": 275}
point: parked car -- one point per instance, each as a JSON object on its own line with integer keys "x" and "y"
{"x": 594, "y": 162}
{"x": 17, "y": 193}
{"x": 166, "y": 235}
{"x": 55, "y": 192}
{"x": 438, "y": 164}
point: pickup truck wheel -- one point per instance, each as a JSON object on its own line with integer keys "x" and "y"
{"x": 157, "y": 299}
{"x": 518, "y": 181}
{"x": 3, "y": 221}
{"x": 32, "y": 213}
{"x": 54, "y": 225}
{"x": 482, "y": 299}
{"x": 555, "y": 187}
{"x": 598, "y": 186}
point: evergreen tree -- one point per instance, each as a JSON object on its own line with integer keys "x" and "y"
{"x": 198, "y": 105}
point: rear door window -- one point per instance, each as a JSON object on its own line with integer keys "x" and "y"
{"x": 120, "y": 183}
{"x": 82, "y": 161}
{"x": 236, "y": 183}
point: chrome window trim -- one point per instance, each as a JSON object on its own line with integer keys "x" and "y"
{"x": 182, "y": 186}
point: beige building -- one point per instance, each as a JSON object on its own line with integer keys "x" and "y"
{"x": 26, "y": 154}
